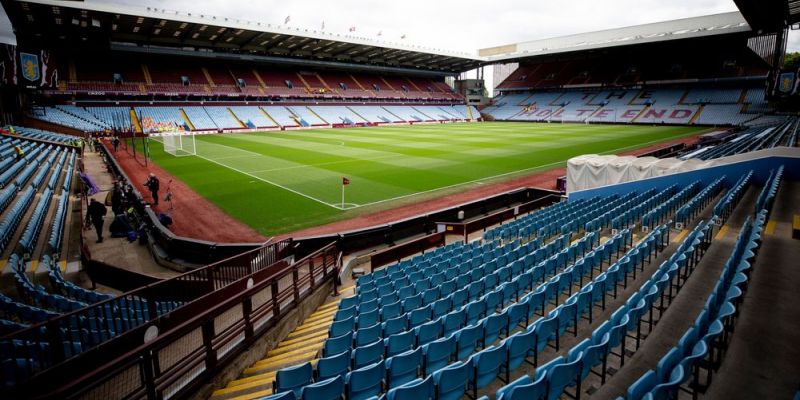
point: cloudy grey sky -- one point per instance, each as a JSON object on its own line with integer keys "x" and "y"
{"x": 465, "y": 25}
{"x": 457, "y": 25}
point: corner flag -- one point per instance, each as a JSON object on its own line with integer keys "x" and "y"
{"x": 345, "y": 182}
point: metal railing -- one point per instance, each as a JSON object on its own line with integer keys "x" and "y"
{"x": 161, "y": 337}
{"x": 466, "y": 228}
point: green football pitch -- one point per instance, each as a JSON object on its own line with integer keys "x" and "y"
{"x": 281, "y": 181}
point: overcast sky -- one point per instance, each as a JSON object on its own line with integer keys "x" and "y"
{"x": 465, "y": 25}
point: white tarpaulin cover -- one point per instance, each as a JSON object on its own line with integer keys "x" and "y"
{"x": 592, "y": 170}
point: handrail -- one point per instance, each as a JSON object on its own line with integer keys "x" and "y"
{"x": 190, "y": 341}
{"x": 111, "y": 323}
{"x": 395, "y": 253}
{"x": 465, "y": 228}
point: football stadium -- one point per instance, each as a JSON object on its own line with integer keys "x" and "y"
{"x": 204, "y": 207}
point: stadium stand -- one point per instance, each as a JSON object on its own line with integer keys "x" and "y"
{"x": 161, "y": 118}
{"x": 253, "y": 117}
{"x": 489, "y": 305}
{"x": 337, "y": 115}
{"x": 35, "y": 207}
{"x": 698, "y": 106}
{"x": 570, "y": 299}
{"x": 205, "y": 118}
{"x": 782, "y": 133}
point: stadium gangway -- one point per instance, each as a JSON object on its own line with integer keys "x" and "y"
{"x": 697, "y": 203}
{"x": 770, "y": 189}
{"x": 725, "y": 205}
{"x": 700, "y": 347}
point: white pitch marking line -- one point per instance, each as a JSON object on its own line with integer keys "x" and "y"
{"x": 415, "y": 193}
{"x": 271, "y": 183}
{"x": 239, "y": 156}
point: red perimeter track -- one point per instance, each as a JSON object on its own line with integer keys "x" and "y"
{"x": 198, "y": 218}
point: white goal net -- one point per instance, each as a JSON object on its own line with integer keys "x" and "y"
{"x": 179, "y": 144}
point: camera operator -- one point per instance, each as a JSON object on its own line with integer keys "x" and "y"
{"x": 153, "y": 185}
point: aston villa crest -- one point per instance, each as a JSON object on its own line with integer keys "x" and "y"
{"x": 30, "y": 66}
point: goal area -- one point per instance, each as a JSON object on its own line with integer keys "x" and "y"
{"x": 179, "y": 144}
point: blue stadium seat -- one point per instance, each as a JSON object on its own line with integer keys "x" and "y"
{"x": 419, "y": 316}
{"x": 345, "y": 326}
{"x": 562, "y": 376}
{"x": 450, "y": 383}
{"x": 494, "y": 326}
{"x": 437, "y": 354}
{"x": 669, "y": 389}
{"x": 280, "y": 396}
{"x": 517, "y": 315}
{"x": 468, "y": 339}
{"x": 643, "y": 385}
{"x": 440, "y": 307}
{"x": 390, "y": 311}
{"x": 367, "y": 335}
{"x": 428, "y": 332}
{"x": 369, "y": 354}
{"x": 329, "y": 389}
{"x": 344, "y": 314}
{"x": 399, "y": 343}
{"x": 403, "y": 368}
{"x": 395, "y": 325}
{"x": 365, "y": 382}
{"x": 333, "y": 366}
{"x": 667, "y": 363}
{"x": 524, "y": 388}
{"x": 367, "y": 319}
{"x": 293, "y": 378}
{"x": 518, "y": 348}
{"x": 418, "y": 389}
{"x": 546, "y": 330}
{"x": 486, "y": 365}
{"x": 475, "y": 311}
{"x": 337, "y": 345}
{"x": 453, "y": 321}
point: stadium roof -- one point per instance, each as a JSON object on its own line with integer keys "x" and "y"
{"x": 770, "y": 15}
{"x": 687, "y": 28}
{"x": 75, "y": 20}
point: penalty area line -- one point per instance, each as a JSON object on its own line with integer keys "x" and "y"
{"x": 338, "y": 207}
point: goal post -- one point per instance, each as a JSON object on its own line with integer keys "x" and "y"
{"x": 179, "y": 144}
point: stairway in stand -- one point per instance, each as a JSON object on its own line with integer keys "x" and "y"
{"x": 304, "y": 344}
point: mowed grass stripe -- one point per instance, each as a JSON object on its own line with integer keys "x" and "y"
{"x": 385, "y": 164}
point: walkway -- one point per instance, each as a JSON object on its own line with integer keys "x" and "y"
{"x": 763, "y": 358}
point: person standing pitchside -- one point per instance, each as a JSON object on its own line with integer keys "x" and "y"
{"x": 96, "y": 213}
{"x": 153, "y": 184}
